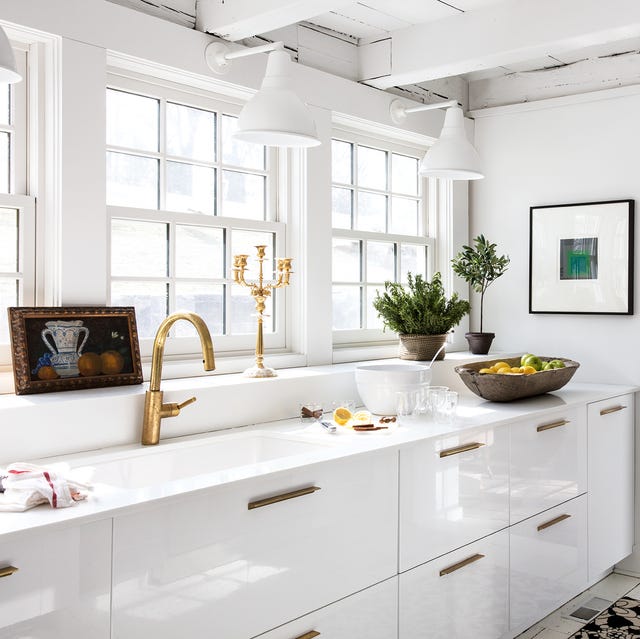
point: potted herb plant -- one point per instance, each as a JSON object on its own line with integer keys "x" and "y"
{"x": 420, "y": 313}
{"x": 480, "y": 266}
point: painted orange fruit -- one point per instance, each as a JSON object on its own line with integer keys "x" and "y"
{"x": 89, "y": 364}
{"x": 112, "y": 362}
{"x": 47, "y": 372}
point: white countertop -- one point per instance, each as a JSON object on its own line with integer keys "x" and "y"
{"x": 105, "y": 501}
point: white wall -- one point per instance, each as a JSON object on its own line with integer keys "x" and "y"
{"x": 566, "y": 150}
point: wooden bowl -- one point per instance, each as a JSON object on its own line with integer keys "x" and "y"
{"x": 506, "y": 388}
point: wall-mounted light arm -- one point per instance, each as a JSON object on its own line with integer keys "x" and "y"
{"x": 452, "y": 156}
{"x": 275, "y": 116}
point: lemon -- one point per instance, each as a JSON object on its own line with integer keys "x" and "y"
{"x": 362, "y": 417}
{"x": 498, "y": 365}
{"x": 529, "y": 370}
{"x": 341, "y": 415}
{"x": 516, "y": 369}
{"x": 486, "y": 370}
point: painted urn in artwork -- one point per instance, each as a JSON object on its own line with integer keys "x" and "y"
{"x": 65, "y": 340}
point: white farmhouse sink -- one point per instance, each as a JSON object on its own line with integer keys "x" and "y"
{"x": 170, "y": 461}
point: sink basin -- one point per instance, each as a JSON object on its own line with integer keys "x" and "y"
{"x": 143, "y": 467}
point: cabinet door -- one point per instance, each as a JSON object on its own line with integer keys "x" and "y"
{"x": 461, "y": 595}
{"x": 548, "y": 561}
{"x": 548, "y": 461}
{"x": 453, "y": 490}
{"x": 611, "y": 455}
{"x": 61, "y": 587}
{"x": 370, "y": 614}
{"x": 210, "y": 561}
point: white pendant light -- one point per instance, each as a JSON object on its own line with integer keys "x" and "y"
{"x": 8, "y": 70}
{"x": 275, "y": 116}
{"x": 452, "y": 156}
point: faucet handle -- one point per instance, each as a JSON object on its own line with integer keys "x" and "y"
{"x": 173, "y": 409}
{"x": 186, "y": 403}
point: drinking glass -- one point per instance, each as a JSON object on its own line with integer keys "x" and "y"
{"x": 447, "y": 411}
{"x": 406, "y": 401}
{"x": 436, "y": 398}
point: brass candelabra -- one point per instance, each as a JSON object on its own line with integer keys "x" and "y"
{"x": 261, "y": 290}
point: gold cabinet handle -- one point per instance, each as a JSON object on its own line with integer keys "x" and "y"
{"x": 309, "y": 635}
{"x": 283, "y": 497}
{"x": 560, "y": 422}
{"x": 613, "y": 409}
{"x": 460, "y": 564}
{"x": 7, "y": 571}
{"x": 460, "y": 449}
{"x": 552, "y": 522}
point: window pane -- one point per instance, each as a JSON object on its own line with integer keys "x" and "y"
{"x": 5, "y": 157}
{"x": 404, "y": 216}
{"x": 5, "y": 104}
{"x": 191, "y": 133}
{"x": 190, "y": 188}
{"x": 243, "y": 312}
{"x": 199, "y": 252}
{"x": 346, "y": 261}
{"x": 404, "y": 174}
{"x": 9, "y": 296}
{"x": 151, "y": 300}
{"x": 342, "y": 203}
{"x": 412, "y": 258}
{"x": 139, "y": 248}
{"x": 132, "y": 120}
{"x": 132, "y": 181}
{"x": 243, "y": 195}
{"x": 8, "y": 241}
{"x": 380, "y": 261}
{"x": 207, "y": 300}
{"x": 372, "y": 168}
{"x": 372, "y": 212}
{"x": 373, "y": 321}
{"x": 341, "y": 162}
{"x": 237, "y": 152}
{"x": 346, "y": 307}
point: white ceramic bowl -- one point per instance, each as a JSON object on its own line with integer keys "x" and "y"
{"x": 378, "y": 384}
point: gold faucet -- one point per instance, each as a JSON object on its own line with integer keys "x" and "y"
{"x": 154, "y": 409}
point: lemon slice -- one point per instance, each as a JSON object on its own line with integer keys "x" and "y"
{"x": 361, "y": 417}
{"x": 341, "y": 415}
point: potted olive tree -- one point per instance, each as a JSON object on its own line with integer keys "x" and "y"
{"x": 480, "y": 266}
{"x": 420, "y": 313}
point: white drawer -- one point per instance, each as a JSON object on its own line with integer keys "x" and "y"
{"x": 370, "y": 614}
{"x": 208, "y": 561}
{"x": 611, "y": 476}
{"x": 548, "y": 561}
{"x": 454, "y": 490}
{"x": 459, "y": 596}
{"x": 61, "y": 587}
{"x": 548, "y": 461}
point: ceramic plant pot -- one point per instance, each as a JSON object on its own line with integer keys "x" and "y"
{"x": 479, "y": 343}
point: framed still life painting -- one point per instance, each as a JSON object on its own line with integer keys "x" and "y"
{"x": 581, "y": 258}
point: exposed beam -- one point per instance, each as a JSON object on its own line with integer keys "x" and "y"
{"x": 237, "y": 19}
{"x": 498, "y": 35}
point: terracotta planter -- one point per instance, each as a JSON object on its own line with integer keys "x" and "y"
{"x": 479, "y": 343}
{"x": 421, "y": 347}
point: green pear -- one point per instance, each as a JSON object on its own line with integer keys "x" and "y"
{"x": 556, "y": 363}
{"x": 524, "y": 357}
{"x": 534, "y": 361}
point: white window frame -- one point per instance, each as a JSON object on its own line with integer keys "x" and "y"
{"x": 366, "y": 337}
{"x": 168, "y": 91}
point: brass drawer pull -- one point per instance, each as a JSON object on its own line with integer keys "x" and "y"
{"x": 7, "y": 571}
{"x": 460, "y": 449}
{"x": 560, "y": 422}
{"x": 613, "y": 409}
{"x": 277, "y": 498}
{"x": 309, "y": 635}
{"x": 460, "y": 564}
{"x": 552, "y": 522}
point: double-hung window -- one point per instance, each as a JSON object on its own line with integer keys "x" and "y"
{"x": 380, "y": 230}
{"x": 184, "y": 197}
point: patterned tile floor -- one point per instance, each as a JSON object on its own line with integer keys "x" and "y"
{"x": 555, "y": 626}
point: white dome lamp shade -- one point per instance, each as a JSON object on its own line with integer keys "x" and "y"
{"x": 275, "y": 116}
{"x": 452, "y": 156}
{"x": 8, "y": 70}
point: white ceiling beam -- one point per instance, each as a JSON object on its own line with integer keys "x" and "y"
{"x": 238, "y": 19}
{"x": 498, "y": 35}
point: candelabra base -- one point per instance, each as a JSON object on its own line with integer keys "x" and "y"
{"x": 260, "y": 371}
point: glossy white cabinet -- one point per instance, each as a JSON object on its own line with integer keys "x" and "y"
{"x": 454, "y": 490}
{"x": 548, "y": 461}
{"x": 61, "y": 589}
{"x": 210, "y": 561}
{"x": 368, "y": 614}
{"x": 548, "y": 559}
{"x": 462, "y": 595}
{"x": 611, "y": 477}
